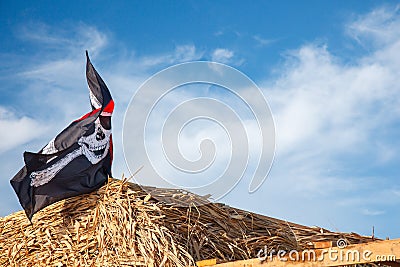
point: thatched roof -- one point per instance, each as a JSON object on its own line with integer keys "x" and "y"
{"x": 123, "y": 225}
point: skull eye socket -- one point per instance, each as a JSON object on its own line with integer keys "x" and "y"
{"x": 100, "y": 135}
{"x": 105, "y": 121}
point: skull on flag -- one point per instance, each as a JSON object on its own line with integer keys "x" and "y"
{"x": 77, "y": 161}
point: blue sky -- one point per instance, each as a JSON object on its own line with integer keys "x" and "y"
{"x": 329, "y": 71}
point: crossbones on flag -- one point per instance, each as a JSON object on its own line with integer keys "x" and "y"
{"x": 77, "y": 161}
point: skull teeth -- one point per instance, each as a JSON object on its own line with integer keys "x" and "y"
{"x": 97, "y": 148}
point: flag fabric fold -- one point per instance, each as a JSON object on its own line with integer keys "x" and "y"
{"x": 77, "y": 161}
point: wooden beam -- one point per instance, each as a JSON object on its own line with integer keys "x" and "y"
{"x": 323, "y": 244}
{"x": 209, "y": 262}
{"x": 387, "y": 251}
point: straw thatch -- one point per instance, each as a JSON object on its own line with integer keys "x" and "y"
{"x": 123, "y": 225}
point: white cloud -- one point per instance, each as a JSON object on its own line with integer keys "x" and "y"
{"x": 182, "y": 53}
{"x": 379, "y": 26}
{"x": 369, "y": 212}
{"x": 17, "y": 130}
{"x": 262, "y": 41}
{"x": 318, "y": 101}
{"x": 72, "y": 39}
{"x": 222, "y": 55}
{"x": 59, "y": 72}
{"x": 332, "y": 108}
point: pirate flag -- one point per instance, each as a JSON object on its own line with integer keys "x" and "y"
{"x": 77, "y": 161}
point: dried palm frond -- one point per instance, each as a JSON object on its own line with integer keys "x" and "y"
{"x": 121, "y": 224}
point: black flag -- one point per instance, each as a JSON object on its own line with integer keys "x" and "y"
{"x": 77, "y": 161}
